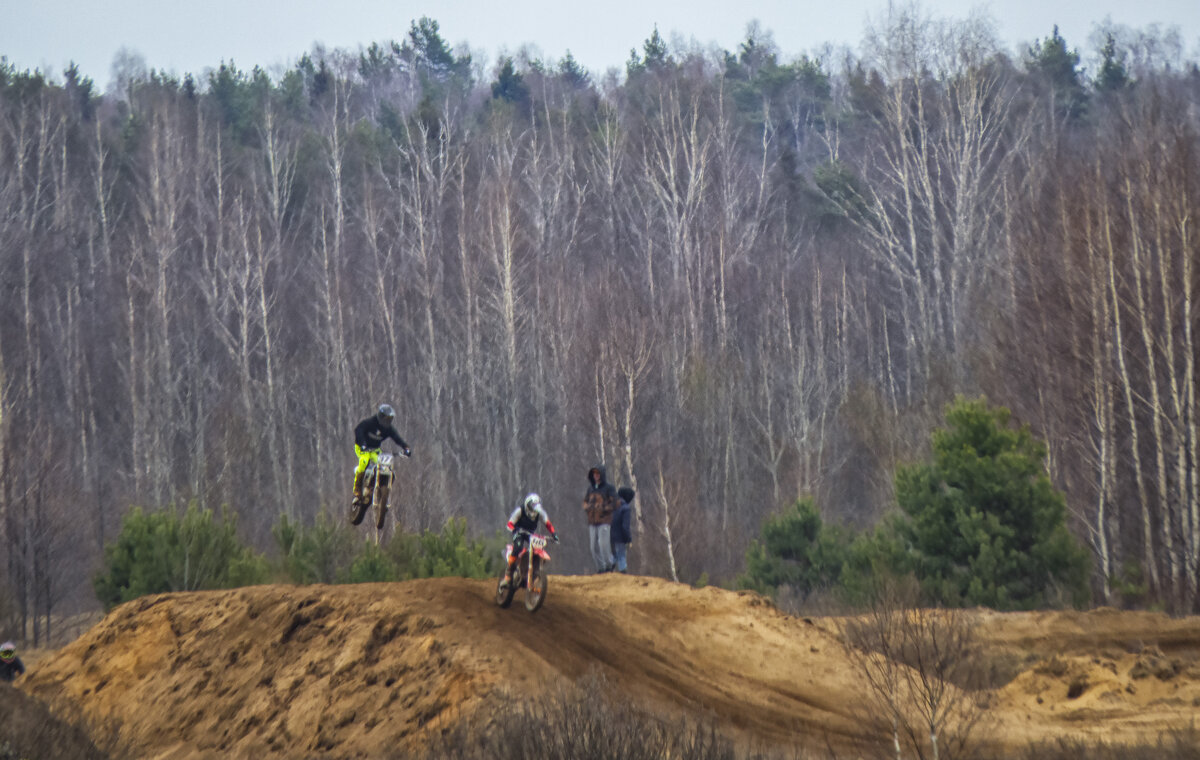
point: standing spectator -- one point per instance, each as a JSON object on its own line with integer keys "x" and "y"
{"x": 10, "y": 665}
{"x": 599, "y": 503}
{"x": 622, "y": 527}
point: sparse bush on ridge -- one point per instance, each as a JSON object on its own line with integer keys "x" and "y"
{"x": 446, "y": 553}
{"x": 162, "y": 551}
{"x": 588, "y": 720}
{"x": 316, "y": 553}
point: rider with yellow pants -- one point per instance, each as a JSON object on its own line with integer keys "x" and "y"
{"x": 368, "y": 437}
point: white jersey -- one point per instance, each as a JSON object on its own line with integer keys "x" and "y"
{"x": 519, "y": 519}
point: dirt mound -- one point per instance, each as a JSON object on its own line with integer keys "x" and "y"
{"x": 1105, "y": 674}
{"x": 366, "y": 670}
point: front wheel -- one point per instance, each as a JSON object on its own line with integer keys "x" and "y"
{"x": 504, "y": 595}
{"x": 535, "y": 591}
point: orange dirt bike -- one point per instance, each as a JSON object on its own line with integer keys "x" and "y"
{"x": 376, "y": 487}
{"x": 529, "y": 573}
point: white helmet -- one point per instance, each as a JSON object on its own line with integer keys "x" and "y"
{"x": 532, "y": 502}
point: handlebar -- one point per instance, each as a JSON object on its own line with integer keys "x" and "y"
{"x": 524, "y": 532}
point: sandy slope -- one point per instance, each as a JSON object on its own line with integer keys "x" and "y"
{"x": 357, "y": 671}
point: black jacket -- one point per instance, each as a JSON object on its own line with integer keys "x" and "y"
{"x": 622, "y": 530}
{"x": 11, "y": 669}
{"x": 370, "y": 434}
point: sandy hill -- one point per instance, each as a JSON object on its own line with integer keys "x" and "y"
{"x": 358, "y": 671}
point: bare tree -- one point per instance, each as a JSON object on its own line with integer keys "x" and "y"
{"x": 919, "y": 666}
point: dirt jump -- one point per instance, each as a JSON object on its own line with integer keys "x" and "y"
{"x": 376, "y": 669}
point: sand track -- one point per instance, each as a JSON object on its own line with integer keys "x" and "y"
{"x": 356, "y": 671}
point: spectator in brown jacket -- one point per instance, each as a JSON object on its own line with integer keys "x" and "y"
{"x": 599, "y": 503}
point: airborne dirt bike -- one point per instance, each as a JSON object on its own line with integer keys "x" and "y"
{"x": 528, "y": 573}
{"x": 376, "y": 487}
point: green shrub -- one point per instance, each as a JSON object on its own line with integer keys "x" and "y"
{"x": 983, "y": 522}
{"x": 372, "y": 565}
{"x": 319, "y": 553}
{"x": 797, "y": 550}
{"x": 452, "y": 553}
{"x": 330, "y": 551}
{"x": 163, "y": 551}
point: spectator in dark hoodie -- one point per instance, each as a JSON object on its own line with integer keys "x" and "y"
{"x": 600, "y": 502}
{"x": 622, "y": 527}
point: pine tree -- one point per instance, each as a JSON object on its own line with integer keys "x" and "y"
{"x": 1112, "y": 75}
{"x": 984, "y": 523}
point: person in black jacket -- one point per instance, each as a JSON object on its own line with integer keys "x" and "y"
{"x": 622, "y": 528}
{"x": 368, "y": 437}
{"x": 10, "y": 665}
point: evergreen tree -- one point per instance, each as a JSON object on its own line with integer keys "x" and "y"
{"x": 572, "y": 73}
{"x": 1112, "y": 75}
{"x": 655, "y": 49}
{"x": 984, "y": 524}
{"x": 427, "y": 52}
{"x": 239, "y": 97}
{"x": 319, "y": 553}
{"x": 1058, "y": 67}
{"x": 797, "y": 550}
{"x": 163, "y": 551}
{"x": 509, "y": 84}
{"x": 634, "y": 65}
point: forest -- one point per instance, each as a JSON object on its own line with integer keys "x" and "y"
{"x": 737, "y": 278}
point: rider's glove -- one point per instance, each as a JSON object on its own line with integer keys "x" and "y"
{"x": 407, "y": 451}
{"x": 555, "y": 537}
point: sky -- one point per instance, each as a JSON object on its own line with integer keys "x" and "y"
{"x": 189, "y": 37}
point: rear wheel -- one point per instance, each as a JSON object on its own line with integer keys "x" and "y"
{"x": 535, "y": 590}
{"x": 381, "y": 508}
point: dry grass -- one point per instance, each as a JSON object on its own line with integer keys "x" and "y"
{"x": 30, "y": 730}
{"x": 589, "y": 721}
{"x": 1178, "y": 745}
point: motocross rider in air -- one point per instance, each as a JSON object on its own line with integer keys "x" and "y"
{"x": 522, "y": 522}
{"x": 368, "y": 437}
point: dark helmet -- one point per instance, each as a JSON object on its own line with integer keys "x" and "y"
{"x": 386, "y": 414}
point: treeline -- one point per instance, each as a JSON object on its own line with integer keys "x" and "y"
{"x": 735, "y": 279}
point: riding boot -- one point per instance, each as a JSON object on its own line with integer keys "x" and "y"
{"x": 358, "y": 480}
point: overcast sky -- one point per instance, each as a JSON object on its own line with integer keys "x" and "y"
{"x": 179, "y": 37}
